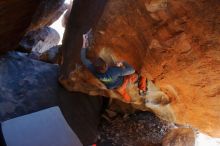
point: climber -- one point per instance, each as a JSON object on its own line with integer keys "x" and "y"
{"x": 114, "y": 77}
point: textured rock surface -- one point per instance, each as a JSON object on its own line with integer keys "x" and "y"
{"x": 180, "y": 137}
{"x": 21, "y": 82}
{"x": 18, "y": 17}
{"x": 67, "y": 14}
{"x": 176, "y": 43}
{"x": 47, "y": 12}
{"x": 40, "y": 40}
{"x": 51, "y": 56}
{"x": 27, "y": 86}
{"x": 15, "y": 17}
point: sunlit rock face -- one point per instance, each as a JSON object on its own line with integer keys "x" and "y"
{"x": 180, "y": 137}
{"x": 40, "y": 40}
{"x": 175, "y": 43}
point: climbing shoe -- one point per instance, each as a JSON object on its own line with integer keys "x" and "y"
{"x": 142, "y": 93}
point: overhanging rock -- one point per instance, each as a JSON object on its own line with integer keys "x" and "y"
{"x": 164, "y": 40}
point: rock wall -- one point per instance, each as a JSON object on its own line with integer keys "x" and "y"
{"x": 47, "y": 12}
{"x": 28, "y": 85}
{"x": 175, "y": 43}
{"x": 17, "y": 17}
{"x": 39, "y": 40}
{"x": 179, "y": 137}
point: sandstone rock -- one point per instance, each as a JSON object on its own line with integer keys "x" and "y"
{"x": 21, "y": 82}
{"x": 28, "y": 85}
{"x": 15, "y": 17}
{"x": 52, "y": 55}
{"x": 67, "y": 14}
{"x": 40, "y": 40}
{"x": 48, "y": 11}
{"x": 180, "y": 137}
{"x": 177, "y": 46}
{"x": 30, "y": 15}
{"x": 156, "y": 5}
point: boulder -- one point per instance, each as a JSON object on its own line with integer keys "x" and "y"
{"x": 21, "y": 82}
{"x": 48, "y": 12}
{"x": 15, "y": 17}
{"x": 40, "y": 40}
{"x": 180, "y": 137}
{"x": 28, "y": 85}
{"x": 30, "y": 15}
{"x": 170, "y": 42}
{"x": 51, "y": 56}
{"x": 67, "y": 14}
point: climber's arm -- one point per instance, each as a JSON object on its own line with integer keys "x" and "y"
{"x": 86, "y": 61}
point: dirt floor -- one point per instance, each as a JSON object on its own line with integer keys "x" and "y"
{"x": 138, "y": 129}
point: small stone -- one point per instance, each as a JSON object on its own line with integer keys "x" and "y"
{"x": 110, "y": 113}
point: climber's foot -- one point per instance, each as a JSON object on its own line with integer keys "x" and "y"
{"x": 142, "y": 93}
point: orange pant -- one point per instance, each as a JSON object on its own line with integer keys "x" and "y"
{"x": 143, "y": 83}
{"x": 127, "y": 80}
{"x": 131, "y": 79}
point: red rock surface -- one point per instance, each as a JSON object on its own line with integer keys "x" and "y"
{"x": 176, "y": 43}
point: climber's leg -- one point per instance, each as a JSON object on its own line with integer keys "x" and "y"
{"x": 124, "y": 94}
{"x": 127, "y": 80}
{"x": 142, "y": 83}
{"x": 122, "y": 90}
{"x": 132, "y": 78}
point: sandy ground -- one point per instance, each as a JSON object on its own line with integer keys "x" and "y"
{"x": 139, "y": 129}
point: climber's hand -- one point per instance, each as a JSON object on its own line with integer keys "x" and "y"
{"x": 119, "y": 64}
{"x": 85, "y": 41}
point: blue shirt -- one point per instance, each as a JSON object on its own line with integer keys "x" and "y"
{"x": 113, "y": 77}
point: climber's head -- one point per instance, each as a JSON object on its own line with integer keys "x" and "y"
{"x": 100, "y": 65}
